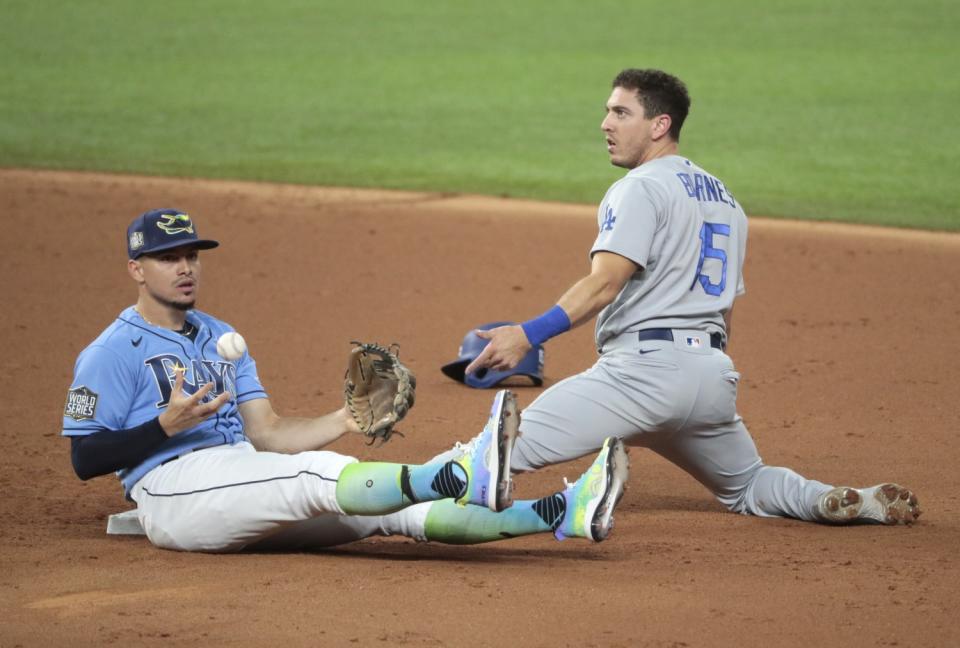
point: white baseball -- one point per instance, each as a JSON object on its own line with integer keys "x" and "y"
{"x": 231, "y": 346}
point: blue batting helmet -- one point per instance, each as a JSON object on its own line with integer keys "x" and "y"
{"x": 531, "y": 365}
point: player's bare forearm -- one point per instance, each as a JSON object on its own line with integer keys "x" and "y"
{"x": 609, "y": 272}
{"x": 509, "y": 344}
{"x": 586, "y": 298}
{"x": 290, "y": 434}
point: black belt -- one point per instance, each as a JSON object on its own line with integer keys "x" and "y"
{"x": 191, "y": 450}
{"x": 179, "y": 456}
{"x": 716, "y": 339}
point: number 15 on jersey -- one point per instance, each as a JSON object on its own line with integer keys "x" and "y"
{"x": 707, "y": 251}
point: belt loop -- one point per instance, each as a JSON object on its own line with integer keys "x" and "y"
{"x": 717, "y": 342}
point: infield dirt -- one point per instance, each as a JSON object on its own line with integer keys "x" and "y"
{"x": 847, "y": 341}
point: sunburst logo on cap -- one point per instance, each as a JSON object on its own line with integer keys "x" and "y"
{"x": 175, "y": 223}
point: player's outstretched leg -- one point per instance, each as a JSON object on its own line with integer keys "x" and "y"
{"x": 478, "y": 475}
{"x": 882, "y": 504}
{"x": 581, "y": 510}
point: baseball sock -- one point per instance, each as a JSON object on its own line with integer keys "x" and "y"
{"x": 375, "y": 488}
{"x": 450, "y": 523}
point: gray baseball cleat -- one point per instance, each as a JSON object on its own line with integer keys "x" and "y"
{"x": 882, "y": 504}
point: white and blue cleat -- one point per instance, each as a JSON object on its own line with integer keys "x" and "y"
{"x": 486, "y": 458}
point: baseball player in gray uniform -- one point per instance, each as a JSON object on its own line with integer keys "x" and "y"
{"x": 666, "y": 268}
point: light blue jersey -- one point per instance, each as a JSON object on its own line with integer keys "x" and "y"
{"x": 126, "y": 376}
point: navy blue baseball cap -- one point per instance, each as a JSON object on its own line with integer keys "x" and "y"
{"x": 530, "y": 366}
{"x": 163, "y": 229}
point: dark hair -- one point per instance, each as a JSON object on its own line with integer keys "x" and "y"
{"x": 659, "y": 93}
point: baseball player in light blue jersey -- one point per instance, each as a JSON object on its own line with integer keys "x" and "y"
{"x": 666, "y": 267}
{"x": 197, "y": 445}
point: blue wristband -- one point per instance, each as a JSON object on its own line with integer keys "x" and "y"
{"x": 540, "y": 329}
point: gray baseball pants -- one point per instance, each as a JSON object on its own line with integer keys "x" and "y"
{"x": 677, "y": 398}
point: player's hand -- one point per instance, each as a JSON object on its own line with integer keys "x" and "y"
{"x": 184, "y": 412}
{"x": 508, "y": 345}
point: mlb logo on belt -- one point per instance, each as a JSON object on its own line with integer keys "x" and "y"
{"x": 694, "y": 342}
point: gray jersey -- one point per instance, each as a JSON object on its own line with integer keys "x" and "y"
{"x": 689, "y": 237}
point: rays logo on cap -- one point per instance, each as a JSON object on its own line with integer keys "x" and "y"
{"x": 175, "y": 223}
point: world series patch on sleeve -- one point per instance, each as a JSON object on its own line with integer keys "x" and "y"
{"x": 81, "y": 404}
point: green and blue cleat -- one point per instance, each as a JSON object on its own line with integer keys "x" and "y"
{"x": 591, "y": 500}
{"x": 486, "y": 458}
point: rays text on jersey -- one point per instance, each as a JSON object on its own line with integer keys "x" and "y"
{"x": 222, "y": 374}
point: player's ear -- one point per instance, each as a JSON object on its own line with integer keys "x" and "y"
{"x": 135, "y": 270}
{"x": 661, "y": 126}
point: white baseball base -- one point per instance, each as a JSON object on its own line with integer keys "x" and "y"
{"x": 125, "y": 523}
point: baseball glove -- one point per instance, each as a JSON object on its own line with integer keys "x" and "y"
{"x": 378, "y": 388}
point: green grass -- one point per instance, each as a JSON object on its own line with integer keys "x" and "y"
{"x": 812, "y": 109}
